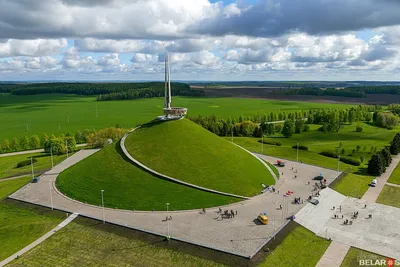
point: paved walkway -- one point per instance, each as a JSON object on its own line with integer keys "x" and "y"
{"x": 334, "y": 255}
{"x": 395, "y": 185}
{"x": 373, "y": 192}
{"x": 30, "y": 151}
{"x": 241, "y": 235}
{"x": 39, "y": 240}
{"x": 14, "y": 177}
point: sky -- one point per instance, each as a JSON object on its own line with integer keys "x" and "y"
{"x": 206, "y": 39}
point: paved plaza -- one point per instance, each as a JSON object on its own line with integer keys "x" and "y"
{"x": 379, "y": 234}
{"x": 241, "y": 235}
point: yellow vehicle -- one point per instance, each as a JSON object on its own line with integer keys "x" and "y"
{"x": 263, "y": 218}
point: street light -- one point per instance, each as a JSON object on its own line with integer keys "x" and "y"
{"x": 297, "y": 152}
{"x": 33, "y": 176}
{"x": 51, "y": 155}
{"x": 167, "y": 221}
{"x": 338, "y": 164}
{"x": 66, "y": 147}
{"x": 51, "y": 195}
{"x": 102, "y": 204}
{"x": 262, "y": 144}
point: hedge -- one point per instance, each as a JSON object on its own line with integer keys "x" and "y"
{"x": 329, "y": 154}
{"x": 350, "y": 161}
{"x": 301, "y": 147}
{"x": 26, "y": 163}
{"x": 273, "y": 143}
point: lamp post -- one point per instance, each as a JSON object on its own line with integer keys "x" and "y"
{"x": 338, "y": 164}
{"x": 66, "y": 147}
{"x": 297, "y": 152}
{"x": 232, "y": 136}
{"x": 262, "y": 144}
{"x": 102, "y": 205}
{"x": 33, "y": 176}
{"x": 51, "y": 156}
{"x": 51, "y": 195}
{"x": 167, "y": 221}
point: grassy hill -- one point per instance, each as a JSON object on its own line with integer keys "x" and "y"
{"x": 128, "y": 187}
{"x": 186, "y": 151}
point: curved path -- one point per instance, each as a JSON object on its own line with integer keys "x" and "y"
{"x": 135, "y": 161}
{"x": 240, "y": 235}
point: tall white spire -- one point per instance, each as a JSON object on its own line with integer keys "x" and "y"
{"x": 167, "y": 94}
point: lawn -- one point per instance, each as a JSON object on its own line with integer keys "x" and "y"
{"x": 87, "y": 243}
{"x": 395, "y": 176}
{"x": 354, "y": 255}
{"x": 300, "y": 248}
{"x": 128, "y": 187}
{"x": 49, "y": 113}
{"x": 390, "y": 195}
{"x": 8, "y": 165}
{"x": 273, "y": 168}
{"x": 21, "y": 224}
{"x": 186, "y": 151}
{"x": 353, "y": 185}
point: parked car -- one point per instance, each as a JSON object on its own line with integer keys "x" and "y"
{"x": 35, "y": 179}
{"x": 318, "y": 178}
{"x": 314, "y": 201}
{"x": 263, "y": 218}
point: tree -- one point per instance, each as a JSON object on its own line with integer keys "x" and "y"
{"x": 70, "y": 142}
{"x": 395, "y": 145}
{"x": 14, "y": 144}
{"x": 55, "y": 145}
{"x": 34, "y": 141}
{"x": 288, "y": 128}
{"x": 386, "y": 155}
{"x": 359, "y": 129}
{"x": 299, "y": 125}
{"x": 43, "y": 138}
{"x": 306, "y": 128}
{"x": 79, "y": 137}
{"x": 376, "y": 165}
{"x": 24, "y": 143}
{"x": 5, "y": 146}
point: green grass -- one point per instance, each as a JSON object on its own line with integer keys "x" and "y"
{"x": 395, "y": 176}
{"x": 46, "y": 113}
{"x": 353, "y": 185}
{"x": 390, "y": 195}
{"x": 10, "y": 186}
{"x": 8, "y": 165}
{"x": 128, "y": 187}
{"x": 21, "y": 224}
{"x": 87, "y": 243}
{"x": 300, "y": 248}
{"x": 186, "y": 151}
{"x": 354, "y": 255}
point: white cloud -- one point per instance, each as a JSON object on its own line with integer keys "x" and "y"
{"x": 38, "y": 47}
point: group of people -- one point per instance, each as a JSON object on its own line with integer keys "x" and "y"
{"x": 298, "y": 200}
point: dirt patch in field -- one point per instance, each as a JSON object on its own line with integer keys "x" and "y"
{"x": 266, "y": 93}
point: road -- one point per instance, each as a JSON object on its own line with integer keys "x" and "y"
{"x": 30, "y": 151}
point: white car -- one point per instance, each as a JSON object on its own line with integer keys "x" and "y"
{"x": 373, "y": 184}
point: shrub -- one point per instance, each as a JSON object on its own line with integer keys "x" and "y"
{"x": 359, "y": 129}
{"x": 273, "y": 143}
{"x": 306, "y": 128}
{"x": 26, "y": 163}
{"x": 350, "y": 161}
{"x": 329, "y": 154}
{"x": 301, "y": 147}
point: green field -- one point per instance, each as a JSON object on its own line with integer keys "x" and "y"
{"x": 390, "y": 195}
{"x": 353, "y": 185}
{"x": 274, "y": 169}
{"x": 300, "y": 248}
{"x": 128, "y": 187}
{"x": 87, "y": 243}
{"x": 49, "y": 113}
{"x": 8, "y": 165}
{"x": 186, "y": 151}
{"x": 21, "y": 224}
{"x": 395, "y": 176}
{"x": 354, "y": 255}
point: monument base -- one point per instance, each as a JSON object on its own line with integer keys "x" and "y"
{"x": 173, "y": 114}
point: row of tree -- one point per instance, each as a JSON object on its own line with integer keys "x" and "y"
{"x": 385, "y": 119}
{"x": 382, "y": 159}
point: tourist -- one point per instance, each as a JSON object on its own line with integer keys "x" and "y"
{"x": 220, "y": 210}
{"x": 236, "y": 212}
{"x": 204, "y": 210}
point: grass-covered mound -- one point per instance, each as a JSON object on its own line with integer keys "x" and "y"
{"x": 128, "y": 187}
{"x": 184, "y": 150}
